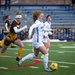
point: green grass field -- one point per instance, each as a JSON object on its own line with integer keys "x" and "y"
{"x": 62, "y": 53}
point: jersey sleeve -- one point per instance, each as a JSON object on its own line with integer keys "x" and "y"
{"x": 6, "y": 26}
{"x": 36, "y": 24}
{"x": 47, "y": 27}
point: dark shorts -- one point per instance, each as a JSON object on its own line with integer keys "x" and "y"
{"x": 7, "y": 42}
{"x": 10, "y": 39}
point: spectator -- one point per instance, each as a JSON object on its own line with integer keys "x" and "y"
{"x": 0, "y": 4}
{"x": 7, "y": 4}
{"x": 72, "y": 3}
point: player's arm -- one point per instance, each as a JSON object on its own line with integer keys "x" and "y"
{"x": 46, "y": 29}
{"x": 19, "y": 30}
{"x": 31, "y": 29}
{"x": 6, "y": 26}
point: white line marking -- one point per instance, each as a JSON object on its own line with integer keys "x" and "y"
{"x": 65, "y": 66}
{"x": 7, "y": 56}
{"x": 3, "y": 68}
{"x": 59, "y": 62}
{"x": 67, "y": 47}
{"x": 29, "y": 44}
{"x": 33, "y": 67}
{"x": 49, "y": 50}
{"x": 60, "y": 52}
{"x": 59, "y": 44}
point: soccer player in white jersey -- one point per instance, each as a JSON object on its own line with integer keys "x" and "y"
{"x": 47, "y": 30}
{"x": 37, "y": 42}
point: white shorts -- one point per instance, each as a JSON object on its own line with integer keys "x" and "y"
{"x": 45, "y": 39}
{"x": 37, "y": 45}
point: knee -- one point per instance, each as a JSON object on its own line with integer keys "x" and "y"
{"x": 2, "y": 52}
{"x": 48, "y": 45}
{"x": 22, "y": 46}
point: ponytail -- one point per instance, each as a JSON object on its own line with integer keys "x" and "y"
{"x": 36, "y": 13}
{"x": 5, "y": 17}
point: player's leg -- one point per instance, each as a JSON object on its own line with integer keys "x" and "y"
{"x": 29, "y": 56}
{"x": 21, "y": 45}
{"x": 47, "y": 45}
{"x": 2, "y": 42}
{"x": 44, "y": 51}
{"x": 3, "y": 49}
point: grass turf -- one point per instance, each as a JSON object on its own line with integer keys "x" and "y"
{"x": 65, "y": 57}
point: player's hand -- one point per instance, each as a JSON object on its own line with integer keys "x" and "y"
{"x": 53, "y": 34}
{"x": 25, "y": 26}
{"x": 29, "y": 37}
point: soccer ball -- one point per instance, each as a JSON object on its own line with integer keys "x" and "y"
{"x": 54, "y": 66}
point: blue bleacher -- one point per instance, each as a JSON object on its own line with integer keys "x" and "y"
{"x": 60, "y": 13}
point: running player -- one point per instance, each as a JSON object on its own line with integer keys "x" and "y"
{"x": 12, "y": 36}
{"x": 47, "y": 30}
{"x": 38, "y": 45}
{"x": 6, "y": 29}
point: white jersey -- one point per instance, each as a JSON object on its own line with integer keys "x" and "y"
{"x": 47, "y": 28}
{"x": 38, "y": 33}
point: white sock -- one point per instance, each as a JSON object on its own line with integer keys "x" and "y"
{"x": 29, "y": 56}
{"x": 47, "y": 49}
{"x": 45, "y": 60}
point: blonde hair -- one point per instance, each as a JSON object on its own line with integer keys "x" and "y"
{"x": 36, "y": 13}
{"x": 18, "y": 13}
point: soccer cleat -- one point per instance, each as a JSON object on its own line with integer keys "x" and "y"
{"x": 47, "y": 70}
{"x": 17, "y": 59}
{"x": 20, "y": 62}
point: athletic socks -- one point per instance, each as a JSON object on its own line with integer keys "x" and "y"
{"x": 42, "y": 56}
{"x": 29, "y": 56}
{"x": 2, "y": 42}
{"x": 20, "y": 52}
{"x": 45, "y": 60}
{"x": 0, "y": 52}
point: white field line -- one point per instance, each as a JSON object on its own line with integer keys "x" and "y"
{"x": 58, "y": 51}
{"x": 3, "y": 68}
{"x": 65, "y": 66}
{"x": 34, "y": 67}
{"x": 61, "y": 62}
{"x": 67, "y": 47}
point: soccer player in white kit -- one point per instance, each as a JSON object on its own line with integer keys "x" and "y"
{"x": 47, "y": 31}
{"x": 37, "y": 42}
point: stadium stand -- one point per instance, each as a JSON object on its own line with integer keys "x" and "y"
{"x": 63, "y": 16}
